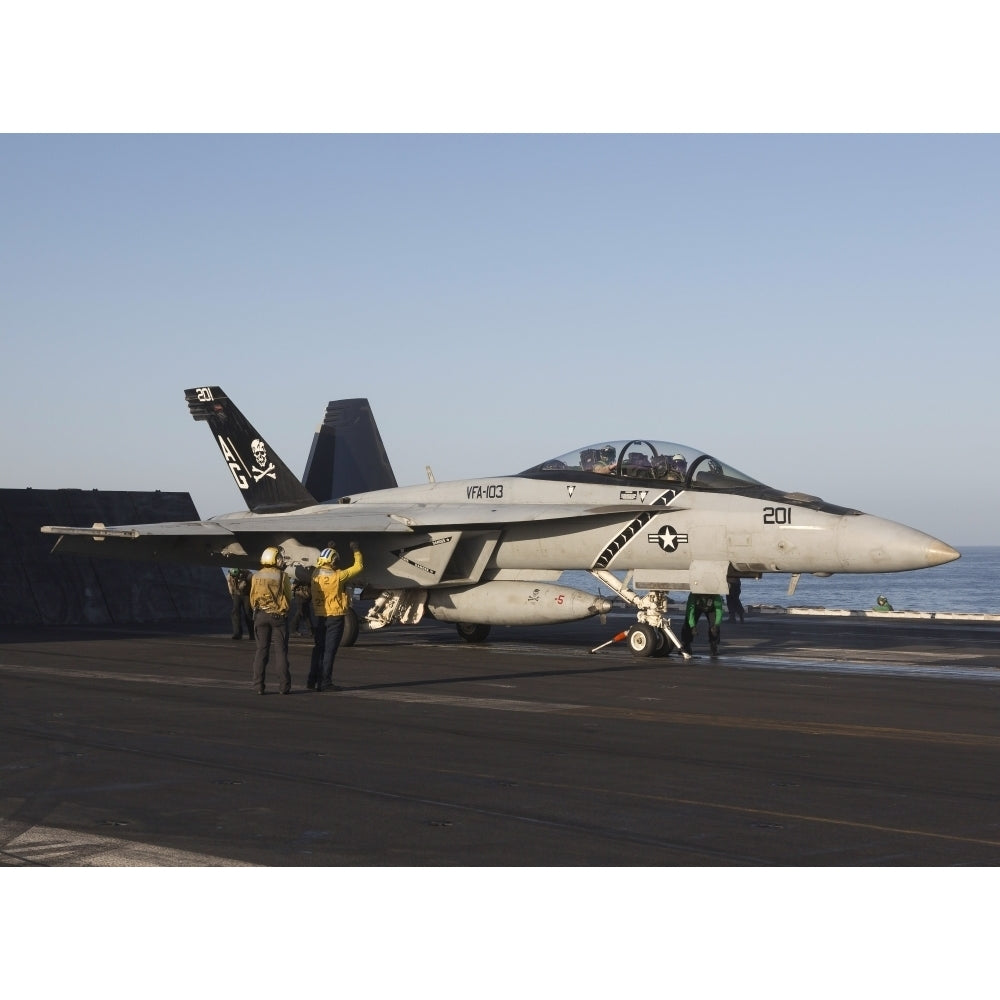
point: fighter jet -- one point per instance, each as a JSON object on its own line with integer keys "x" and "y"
{"x": 641, "y": 515}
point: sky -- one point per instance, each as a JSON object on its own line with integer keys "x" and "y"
{"x": 769, "y": 235}
{"x": 819, "y": 311}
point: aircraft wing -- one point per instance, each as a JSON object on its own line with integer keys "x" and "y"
{"x": 203, "y": 542}
{"x": 99, "y": 532}
{"x": 233, "y": 539}
{"x": 360, "y": 519}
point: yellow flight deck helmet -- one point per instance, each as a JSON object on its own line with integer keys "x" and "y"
{"x": 327, "y": 557}
{"x": 273, "y": 556}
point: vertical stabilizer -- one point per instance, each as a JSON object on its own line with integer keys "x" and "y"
{"x": 347, "y": 454}
{"x": 266, "y": 483}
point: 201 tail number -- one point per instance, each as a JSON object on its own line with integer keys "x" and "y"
{"x": 777, "y": 515}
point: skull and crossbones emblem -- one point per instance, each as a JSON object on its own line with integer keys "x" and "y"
{"x": 266, "y": 468}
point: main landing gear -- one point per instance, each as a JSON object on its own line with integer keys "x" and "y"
{"x": 472, "y": 633}
{"x": 652, "y": 634}
{"x": 351, "y": 628}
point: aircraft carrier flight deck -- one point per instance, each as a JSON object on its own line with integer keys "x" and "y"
{"x": 819, "y": 741}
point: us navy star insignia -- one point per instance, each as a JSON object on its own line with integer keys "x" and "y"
{"x": 667, "y": 538}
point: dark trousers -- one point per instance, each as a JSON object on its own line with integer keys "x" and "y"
{"x": 687, "y": 631}
{"x": 329, "y": 631}
{"x": 303, "y": 609}
{"x": 735, "y": 607}
{"x": 270, "y": 628}
{"x": 241, "y": 614}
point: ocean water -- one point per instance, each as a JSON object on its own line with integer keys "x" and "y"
{"x": 970, "y": 585}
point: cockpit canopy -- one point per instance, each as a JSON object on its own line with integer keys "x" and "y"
{"x": 641, "y": 459}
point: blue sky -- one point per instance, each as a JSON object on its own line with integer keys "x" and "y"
{"x": 820, "y": 311}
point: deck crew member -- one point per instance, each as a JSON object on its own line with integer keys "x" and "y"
{"x": 733, "y": 602}
{"x": 239, "y": 590}
{"x": 302, "y": 596}
{"x": 330, "y": 600}
{"x": 709, "y": 605}
{"x": 270, "y": 598}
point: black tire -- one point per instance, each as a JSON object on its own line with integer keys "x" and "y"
{"x": 472, "y": 633}
{"x": 642, "y": 640}
{"x": 664, "y": 646}
{"x": 351, "y": 628}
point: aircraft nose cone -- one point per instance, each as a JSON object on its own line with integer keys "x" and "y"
{"x": 870, "y": 544}
{"x": 938, "y": 552}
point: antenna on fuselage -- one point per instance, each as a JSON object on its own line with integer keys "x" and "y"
{"x": 430, "y": 474}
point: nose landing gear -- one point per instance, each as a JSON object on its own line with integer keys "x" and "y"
{"x": 652, "y": 634}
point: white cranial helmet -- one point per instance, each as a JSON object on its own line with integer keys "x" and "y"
{"x": 273, "y": 556}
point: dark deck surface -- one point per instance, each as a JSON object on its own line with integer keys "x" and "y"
{"x": 807, "y": 742}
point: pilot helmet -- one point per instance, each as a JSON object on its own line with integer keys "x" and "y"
{"x": 273, "y": 556}
{"x": 608, "y": 454}
{"x": 882, "y": 599}
{"x": 678, "y": 463}
{"x": 328, "y": 557}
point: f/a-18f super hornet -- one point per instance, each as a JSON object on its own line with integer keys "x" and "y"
{"x": 638, "y": 514}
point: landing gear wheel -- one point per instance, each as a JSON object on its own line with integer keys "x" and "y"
{"x": 351, "y": 628}
{"x": 642, "y": 640}
{"x": 663, "y": 644}
{"x": 472, "y": 633}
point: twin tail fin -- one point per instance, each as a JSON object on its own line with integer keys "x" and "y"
{"x": 267, "y": 484}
